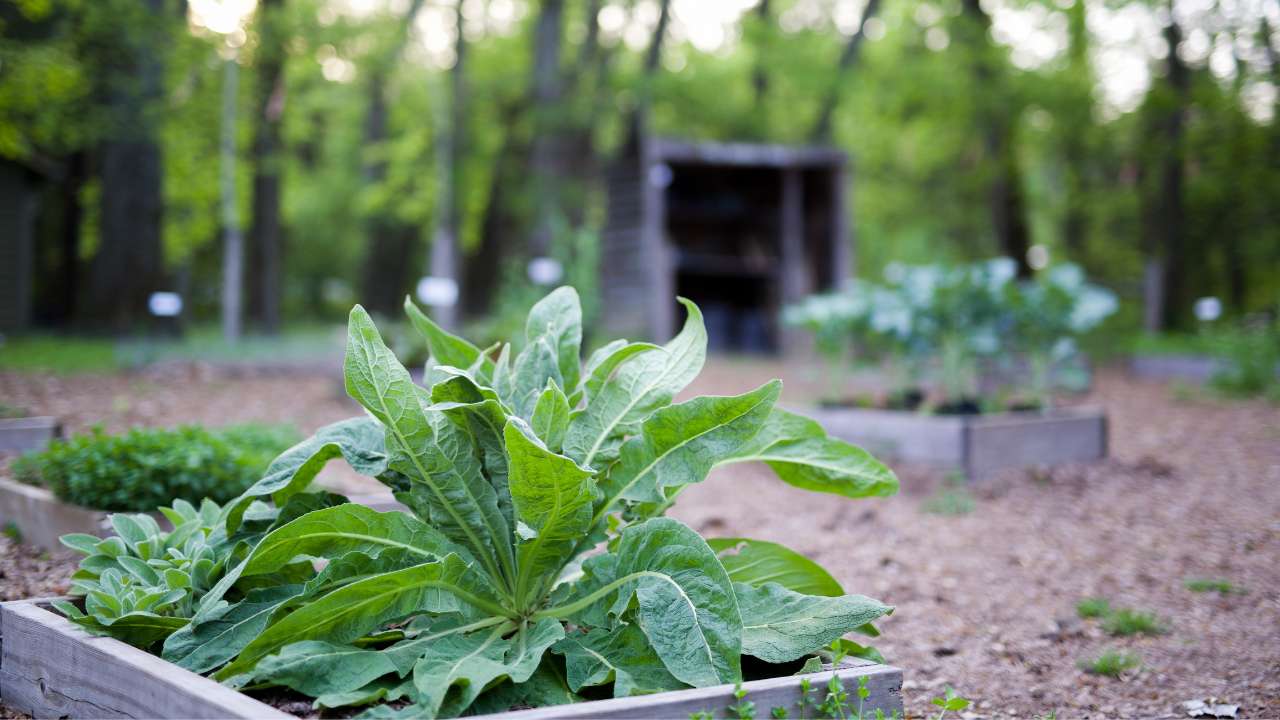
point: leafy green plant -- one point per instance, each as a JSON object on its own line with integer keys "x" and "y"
{"x": 534, "y": 564}
{"x": 1220, "y": 586}
{"x": 1132, "y": 622}
{"x": 1250, "y": 356}
{"x": 949, "y": 702}
{"x": 1092, "y": 608}
{"x": 144, "y": 468}
{"x": 952, "y": 498}
{"x": 1111, "y": 663}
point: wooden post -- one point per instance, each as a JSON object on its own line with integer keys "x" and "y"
{"x": 795, "y": 280}
{"x": 843, "y": 239}
{"x": 232, "y": 238}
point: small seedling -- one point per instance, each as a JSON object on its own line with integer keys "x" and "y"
{"x": 953, "y": 498}
{"x": 1091, "y": 608}
{"x": 1111, "y": 663}
{"x": 1220, "y": 586}
{"x": 701, "y": 715}
{"x": 836, "y": 704}
{"x": 743, "y": 709}
{"x": 779, "y": 713}
{"x": 1124, "y": 622}
{"x": 13, "y": 532}
{"x": 949, "y": 701}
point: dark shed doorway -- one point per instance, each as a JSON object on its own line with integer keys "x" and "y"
{"x": 739, "y": 229}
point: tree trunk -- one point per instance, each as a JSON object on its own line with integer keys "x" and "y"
{"x": 266, "y": 236}
{"x": 1171, "y": 217}
{"x": 821, "y": 132}
{"x": 232, "y": 239}
{"x": 1074, "y": 146}
{"x": 387, "y": 265}
{"x": 485, "y": 264}
{"x": 129, "y": 265}
{"x": 997, "y": 118}
{"x": 545, "y": 162}
{"x": 18, "y": 198}
{"x": 760, "y": 73}
{"x": 444, "y": 246}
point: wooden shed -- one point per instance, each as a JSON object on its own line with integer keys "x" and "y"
{"x": 741, "y": 229}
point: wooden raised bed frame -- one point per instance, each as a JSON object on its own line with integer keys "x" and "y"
{"x": 975, "y": 445}
{"x": 42, "y": 518}
{"x": 50, "y": 668}
{"x": 28, "y": 433}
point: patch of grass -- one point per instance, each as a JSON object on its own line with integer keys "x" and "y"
{"x": 950, "y": 501}
{"x": 1111, "y": 663}
{"x": 13, "y": 532}
{"x": 1125, "y": 622}
{"x": 1218, "y": 585}
{"x": 1091, "y": 608}
{"x": 61, "y": 355}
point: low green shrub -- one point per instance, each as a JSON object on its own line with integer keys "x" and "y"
{"x": 145, "y": 468}
{"x": 1132, "y": 622}
{"x": 1090, "y": 608}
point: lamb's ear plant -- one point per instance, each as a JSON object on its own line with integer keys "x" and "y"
{"x": 534, "y": 565}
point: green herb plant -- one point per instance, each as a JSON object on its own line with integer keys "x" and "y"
{"x": 533, "y": 565}
{"x": 1111, "y": 663}
{"x": 949, "y": 702}
{"x": 144, "y": 468}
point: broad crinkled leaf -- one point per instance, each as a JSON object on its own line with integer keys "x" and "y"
{"x": 203, "y": 646}
{"x": 545, "y": 687}
{"x": 551, "y": 417}
{"x": 641, "y": 384}
{"x": 801, "y": 454}
{"x": 756, "y": 562}
{"x": 602, "y": 363}
{"x": 552, "y": 496}
{"x": 621, "y": 656}
{"x": 446, "y": 348}
{"x": 679, "y": 444}
{"x": 360, "y": 441}
{"x": 779, "y": 625}
{"x": 470, "y": 663}
{"x": 349, "y": 612}
{"x": 429, "y": 448}
{"x": 477, "y": 410}
{"x": 316, "y": 667}
{"x": 557, "y": 318}
{"x": 347, "y": 528}
{"x": 685, "y": 601}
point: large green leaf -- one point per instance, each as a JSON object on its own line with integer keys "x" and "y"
{"x": 685, "y": 601}
{"x": 429, "y": 448}
{"x": 477, "y": 410}
{"x": 756, "y": 562}
{"x": 552, "y": 498}
{"x": 551, "y": 417}
{"x": 316, "y": 667}
{"x": 621, "y": 656}
{"x": 557, "y": 318}
{"x": 446, "y": 348}
{"x": 642, "y": 384}
{"x": 779, "y": 625}
{"x": 353, "y": 610}
{"x": 802, "y": 454}
{"x": 679, "y": 444}
{"x": 467, "y": 664}
{"x": 359, "y": 441}
{"x": 602, "y": 363}
{"x": 346, "y": 528}
{"x": 203, "y": 646}
{"x": 545, "y": 687}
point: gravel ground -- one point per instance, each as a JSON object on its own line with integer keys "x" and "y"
{"x": 985, "y": 599}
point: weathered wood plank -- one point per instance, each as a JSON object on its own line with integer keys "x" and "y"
{"x": 49, "y": 668}
{"x": 883, "y": 682}
{"x": 977, "y": 446}
{"x": 42, "y": 518}
{"x": 28, "y": 433}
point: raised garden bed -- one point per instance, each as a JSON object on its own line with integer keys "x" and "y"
{"x": 40, "y": 518}
{"x": 25, "y": 434}
{"x": 975, "y": 445}
{"x": 49, "y": 667}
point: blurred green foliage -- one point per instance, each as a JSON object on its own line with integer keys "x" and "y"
{"x": 911, "y": 113}
{"x": 143, "y": 469}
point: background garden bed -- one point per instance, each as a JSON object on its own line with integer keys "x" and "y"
{"x": 51, "y": 668}
{"x": 975, "y": 445}
{"x": 28, "y": 433}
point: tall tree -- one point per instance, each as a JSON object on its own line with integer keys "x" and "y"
{"x": 547, "y": 153}
{"x": 998, "y": 112}
{"x": 129, "y": 263}
{"x": 387, "y": 274}
{"x": 452, "y": 138}
{"x": 266, "y": 233}
{"x": 821, "y": 132}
